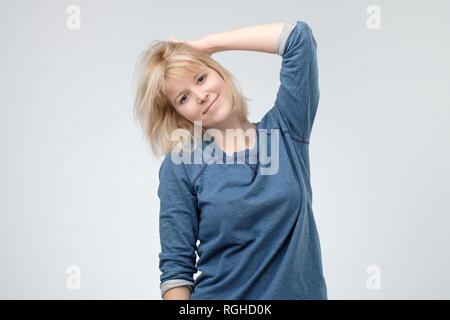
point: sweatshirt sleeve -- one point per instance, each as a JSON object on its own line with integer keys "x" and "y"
{"x": 298, "y": 96}
{"x": 178, "y": 226}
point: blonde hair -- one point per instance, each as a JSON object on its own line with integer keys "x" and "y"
{"x": 157, "y": 116}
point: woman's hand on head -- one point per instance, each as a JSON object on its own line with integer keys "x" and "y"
{"x": 199, "y": 45}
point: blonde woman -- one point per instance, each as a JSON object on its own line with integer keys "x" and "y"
{"x": 253, "y": 230}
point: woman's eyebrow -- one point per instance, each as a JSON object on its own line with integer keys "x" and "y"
{"x": 193, "y": 78}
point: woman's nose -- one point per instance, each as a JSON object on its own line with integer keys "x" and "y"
{"x": 202, "y": 97}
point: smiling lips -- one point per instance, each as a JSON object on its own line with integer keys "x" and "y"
{"x": 210, "y": 105}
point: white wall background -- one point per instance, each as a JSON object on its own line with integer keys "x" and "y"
{"x": 78, "y": 184}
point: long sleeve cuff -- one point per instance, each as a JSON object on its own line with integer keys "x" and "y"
{"x": 169, "y": 284}
{"x": 284, "y": 35}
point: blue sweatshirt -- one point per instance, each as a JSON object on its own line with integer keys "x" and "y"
{"x": 253, "y": 230}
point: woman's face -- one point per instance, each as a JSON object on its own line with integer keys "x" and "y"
{"x": 192, "y": 96}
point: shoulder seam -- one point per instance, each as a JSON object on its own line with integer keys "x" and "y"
{"x": 187, "y": 177}
{"x": 197, "y": 176}
{"x": 292, "y": 137}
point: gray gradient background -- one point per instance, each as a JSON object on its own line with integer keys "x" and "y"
{"x": 78, "y": 185}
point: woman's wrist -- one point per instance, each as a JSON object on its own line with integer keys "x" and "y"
{"x": 178, "y": 293}
{"x": 208, "y": 44}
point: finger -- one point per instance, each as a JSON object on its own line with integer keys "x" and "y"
{"x": 174, "y": 40}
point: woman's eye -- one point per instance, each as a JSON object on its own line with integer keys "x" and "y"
{"x": 181, "y": 100}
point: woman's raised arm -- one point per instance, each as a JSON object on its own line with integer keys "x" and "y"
{"x": 261, "y": 37}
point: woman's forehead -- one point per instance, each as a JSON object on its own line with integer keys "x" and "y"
{"x": 181, "y": 77}
{"x": 177, "y": 81}
{"x": 185, "y": 73}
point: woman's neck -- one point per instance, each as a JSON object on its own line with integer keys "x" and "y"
{"x": 244, "y": 141}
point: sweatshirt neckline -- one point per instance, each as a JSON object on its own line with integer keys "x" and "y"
{"x": 245, "y": 153}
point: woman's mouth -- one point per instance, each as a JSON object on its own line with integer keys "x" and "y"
{"x": 213, "y": 104}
